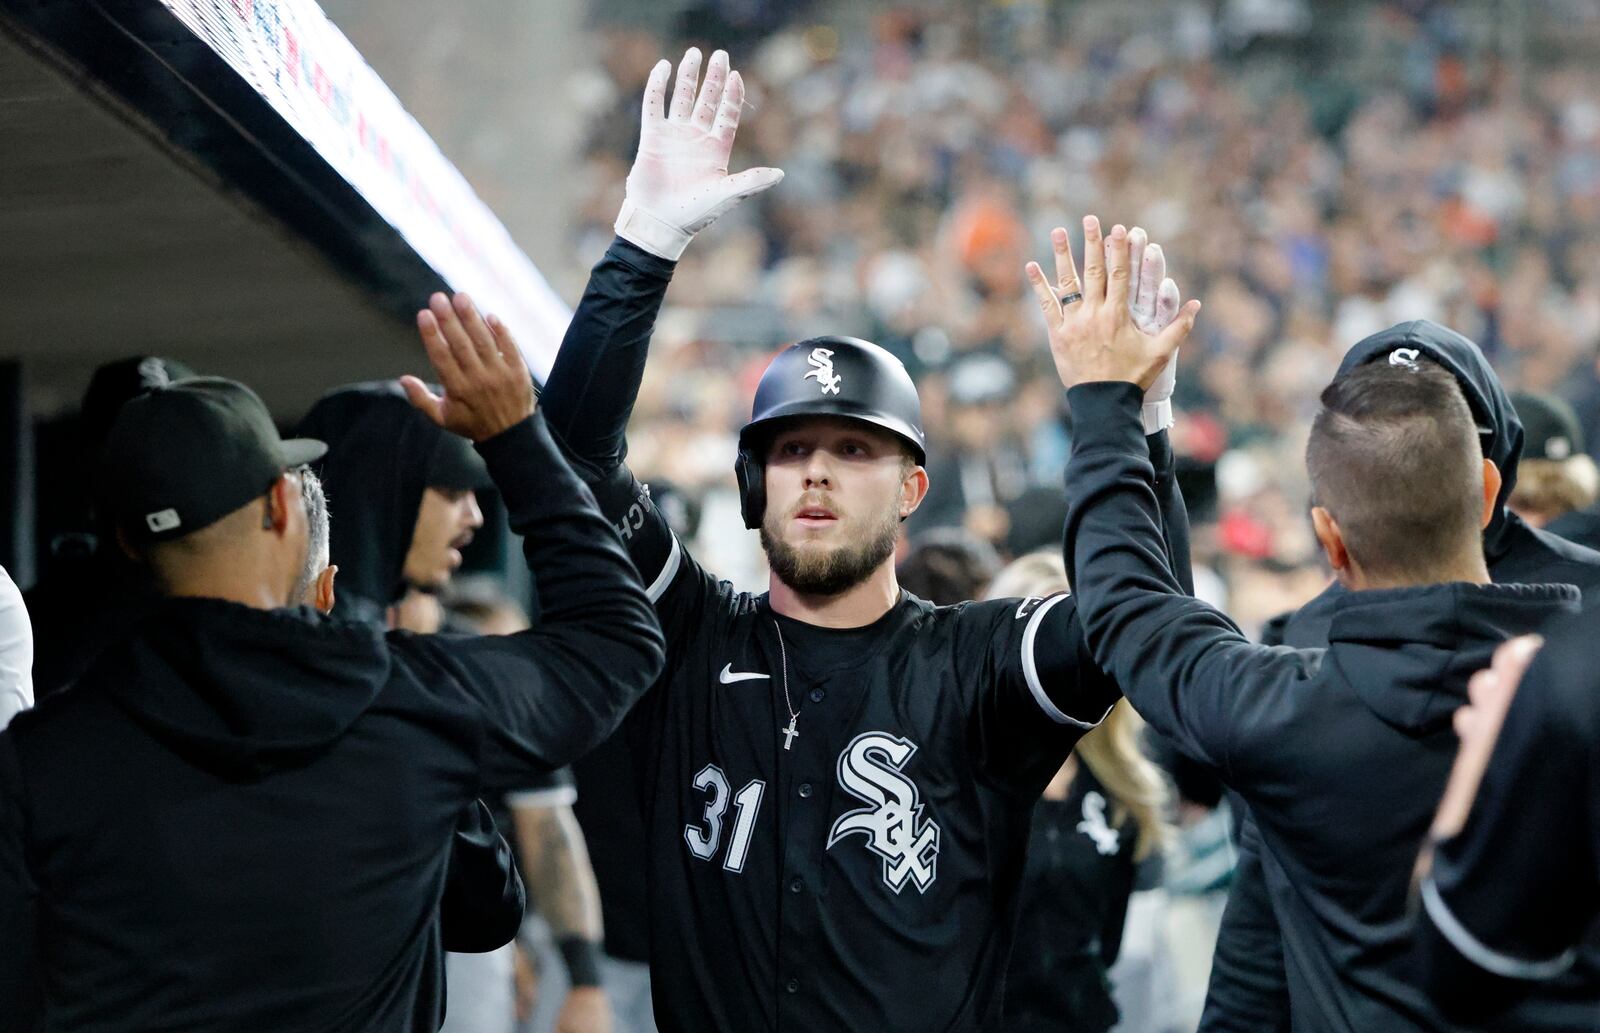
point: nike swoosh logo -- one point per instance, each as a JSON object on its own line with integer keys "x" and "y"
{"x": 728, "y": 676}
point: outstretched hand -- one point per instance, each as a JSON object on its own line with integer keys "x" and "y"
{"x": 679, "y": 183}
{"x": 1098, "y": 338}
{"x": 487, "y": 387}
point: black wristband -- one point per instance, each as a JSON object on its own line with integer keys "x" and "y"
{"x": 582, "y": 958}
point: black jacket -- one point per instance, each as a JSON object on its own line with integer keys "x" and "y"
{"x": 1341, "y": 753}
{"x": 240, "y": 819}
{"x": 1510, "y": 900}
{"x": 1247, "y": 992}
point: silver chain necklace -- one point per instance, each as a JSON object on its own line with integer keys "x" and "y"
{"x": 790, "y": 732}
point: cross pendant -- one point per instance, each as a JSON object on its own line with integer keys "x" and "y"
{"x": 790, "y": 732}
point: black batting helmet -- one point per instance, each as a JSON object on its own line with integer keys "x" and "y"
{"x": 826, "y": 376}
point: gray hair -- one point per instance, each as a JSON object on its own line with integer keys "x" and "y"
{"x": 317, "y": 522}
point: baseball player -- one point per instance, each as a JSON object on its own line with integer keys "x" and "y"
{"x": 837, "y": 778}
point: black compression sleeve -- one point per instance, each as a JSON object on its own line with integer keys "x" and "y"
{"x": 589, "y": 395}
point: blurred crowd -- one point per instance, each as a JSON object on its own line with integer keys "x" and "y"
{"x": 1309, "y": 196}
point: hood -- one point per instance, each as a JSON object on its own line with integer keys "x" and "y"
{"x": 380, "y": 450}
{"x": 1408, "y": 652}
{"x": 240, "y": 691}
{"x": 1500, "y": 429}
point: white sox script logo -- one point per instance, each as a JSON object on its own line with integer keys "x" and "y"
{"x": 1094, "y": 824}
{"x": 821, "y": 360}
{"x": 870, "y": 770}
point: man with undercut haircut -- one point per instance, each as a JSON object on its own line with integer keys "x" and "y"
{"x": 1248, "y": 991}
{"x": 837, "y": 778}
{"x": 1340, "y": 752}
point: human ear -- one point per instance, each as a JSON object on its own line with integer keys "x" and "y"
{"x": 1331, "y": 539}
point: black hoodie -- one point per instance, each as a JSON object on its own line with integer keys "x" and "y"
{"x": 1341, "y": 753}
{"x": 1247, "y": 979}
{"x": 380, "y": 451}
{"x": 381, "y": 456}
{"x": 1516, "y": 551}
{"x": 240, "y": 819}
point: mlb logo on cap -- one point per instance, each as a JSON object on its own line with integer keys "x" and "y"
{"x": 165, "y": 520}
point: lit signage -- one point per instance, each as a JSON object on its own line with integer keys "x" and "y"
{"x": 303, "y": 66}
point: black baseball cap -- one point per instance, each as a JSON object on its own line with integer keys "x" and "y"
{"x": 179, "y": 458}
{"x": 1550, "y": 428}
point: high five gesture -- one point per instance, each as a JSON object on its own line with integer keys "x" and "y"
{"x": 679, "y": 183}
{"x": 1094, "y": 334}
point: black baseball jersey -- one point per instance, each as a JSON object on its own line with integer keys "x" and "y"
{"x": 856, "y": 868}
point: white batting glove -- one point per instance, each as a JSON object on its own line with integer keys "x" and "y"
{"x": 679, "y": 183}
{"x": 1153, "y": 300}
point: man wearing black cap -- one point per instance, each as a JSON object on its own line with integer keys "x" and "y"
{"x": 89, "y": 594}
{"x": 837, "y": 778}
{"x": 240, "y": 817}
{"x": 1557, "y": 482}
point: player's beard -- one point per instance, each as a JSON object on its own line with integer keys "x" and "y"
{"x": 812, "y": 572}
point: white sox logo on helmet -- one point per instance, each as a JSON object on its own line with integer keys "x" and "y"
{"x": 870, "y": 770}
{"x": 821, "y": 360}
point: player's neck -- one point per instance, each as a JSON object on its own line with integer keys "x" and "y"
{"x": 853, "y": 608}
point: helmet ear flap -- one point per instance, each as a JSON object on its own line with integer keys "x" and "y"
{"x": 752, "y": 476}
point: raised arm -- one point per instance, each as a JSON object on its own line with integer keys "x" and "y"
{"x": 678, "y": 186}
{"x": 1045, "y": 666}
{"x": 1183, "y": 665}
{"x": 552, "y": 692}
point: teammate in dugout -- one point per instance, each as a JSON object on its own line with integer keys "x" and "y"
{"x": 837, "y": 777}
{"x": 1341, "y": 752}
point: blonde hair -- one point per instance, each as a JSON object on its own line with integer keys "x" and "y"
{"x": 1111, "y": 751}
{"x": 1547, "y": 488}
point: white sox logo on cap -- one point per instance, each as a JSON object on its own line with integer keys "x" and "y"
{"x": 1406, "y": 357}
{"x": 822, "y": 371}
{"x": 870, "y": 770}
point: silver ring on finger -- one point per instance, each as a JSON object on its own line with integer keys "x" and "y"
{"x": 1070, "y": 297}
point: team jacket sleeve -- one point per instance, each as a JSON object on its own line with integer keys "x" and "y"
{"x": 1249, "y": 991}
{"x": 1045, "y": 667}
{"x": 484, "y": 899}
{"x": 1184, "y": 666}
{"x": 550, "y": 693}
{"x": 18, "y": 897}
{"x": 588, "y": 399}
{"x": 1508, "y": 899}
